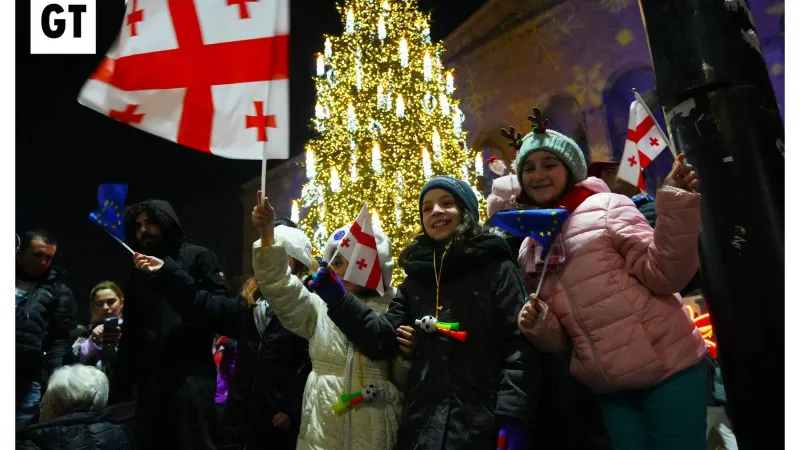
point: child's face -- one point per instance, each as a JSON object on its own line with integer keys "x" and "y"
{"x": 339, "y": 265}
{"x": 544, "y": 178}
{"x": 106, "y": 304}
{"x": 440, "y": 214}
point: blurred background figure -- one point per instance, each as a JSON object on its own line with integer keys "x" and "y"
{"x": 44, "y": 318}
{"x": 100, "y": 348}
{"x": 72, "y": 415}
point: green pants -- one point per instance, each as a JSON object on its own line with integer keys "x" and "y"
{"x": 668, "y": 416}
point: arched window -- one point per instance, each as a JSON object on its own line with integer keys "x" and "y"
{"x": 565, "y": 117}
{"x": 617, "y": 100}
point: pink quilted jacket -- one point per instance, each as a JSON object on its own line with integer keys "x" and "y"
{"x": 613, "y": 301}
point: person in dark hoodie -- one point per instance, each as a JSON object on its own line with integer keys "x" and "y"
{"x": 45, "y": 312}
{"x": 263, "y": 408}
{"x": 166, "y": 357}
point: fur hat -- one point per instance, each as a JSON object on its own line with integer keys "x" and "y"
{"x": 542, "y": 139}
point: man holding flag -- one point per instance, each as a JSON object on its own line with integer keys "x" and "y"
{"x": 167, "y": 358}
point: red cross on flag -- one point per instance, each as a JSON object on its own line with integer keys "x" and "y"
{"x": 361, "y": 250}
{"x": 644, "y": 142}
{"x": 210, "y": 75}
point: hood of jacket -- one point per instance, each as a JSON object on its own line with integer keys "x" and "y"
{"x": 164, "y": 214}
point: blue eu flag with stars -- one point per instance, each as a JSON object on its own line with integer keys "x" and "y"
{"x": 540, "y": 224}
{"x": 110, "y": 202}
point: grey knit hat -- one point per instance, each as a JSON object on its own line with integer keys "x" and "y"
{"x": 542, "y": 139}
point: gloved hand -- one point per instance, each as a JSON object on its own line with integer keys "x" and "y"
{"x": 327, "y": 285}
{"x": 513, "y": 437}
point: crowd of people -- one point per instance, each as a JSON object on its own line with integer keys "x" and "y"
{"x": 605, "y": 356}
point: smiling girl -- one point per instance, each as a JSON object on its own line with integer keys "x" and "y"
{"x": 464, "y": 390}
{"x": 609, "y": 294}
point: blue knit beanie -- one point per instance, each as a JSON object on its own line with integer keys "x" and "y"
{"x": 457, "y": 188}
{"x": 542, "y": 139}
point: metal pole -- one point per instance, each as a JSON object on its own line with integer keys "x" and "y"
{"x": 722, "y": 113}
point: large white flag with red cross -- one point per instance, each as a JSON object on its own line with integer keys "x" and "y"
{"x": 212, "y": 75}
{"x": 643, "y": 144}
{"x": 361, "y": 250}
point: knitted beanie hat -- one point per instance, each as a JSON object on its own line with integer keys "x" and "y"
{"x": 457, "y": 188}
{"x": 542, "y": 139}
{"x": 296, "y": 244}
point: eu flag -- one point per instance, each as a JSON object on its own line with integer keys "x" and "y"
{"x": 110, "y": 201}
{"x": 540, "y": 224}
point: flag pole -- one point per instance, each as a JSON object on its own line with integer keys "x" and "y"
{"x": 544, "y": 272}
{"x": 120, "y": 241}
{"x": 274, "y": 14}
{"x": 658, "y": 127}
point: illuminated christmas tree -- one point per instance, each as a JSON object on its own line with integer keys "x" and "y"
{"x": 386, "y": 121}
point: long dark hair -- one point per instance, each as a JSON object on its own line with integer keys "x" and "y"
{"x": 459, "y": 241}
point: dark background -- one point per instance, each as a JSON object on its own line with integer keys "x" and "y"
{"x": 64, "y": 150}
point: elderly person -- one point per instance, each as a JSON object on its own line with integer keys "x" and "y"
{"x": 71, "y": 414}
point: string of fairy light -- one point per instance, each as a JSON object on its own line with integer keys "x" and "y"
{"x": 386, "y": 122}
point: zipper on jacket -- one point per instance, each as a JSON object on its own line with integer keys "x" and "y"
{"x": 348, "y": 419}
{"x": 595, "y": 354}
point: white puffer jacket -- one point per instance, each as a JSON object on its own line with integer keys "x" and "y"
{"x": 335, "y": 364}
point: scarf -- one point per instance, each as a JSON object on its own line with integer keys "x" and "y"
{"x": 483, "y": 248}
{"x": 533, "y": 262}
{"x": 262, "y": 314}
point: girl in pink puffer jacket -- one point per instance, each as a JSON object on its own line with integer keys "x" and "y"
{"x": 609, "y": 294}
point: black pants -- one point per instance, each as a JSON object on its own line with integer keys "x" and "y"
{"x": 177, "y": 417}
{"x": 568, "y": 414}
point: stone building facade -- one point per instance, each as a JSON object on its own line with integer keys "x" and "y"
{"x": 576, "y": 60}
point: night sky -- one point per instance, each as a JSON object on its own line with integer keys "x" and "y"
{"x": 64, "y": 150}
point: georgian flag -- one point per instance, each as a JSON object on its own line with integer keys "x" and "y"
{"x": 642, "y": 146}
{"x": 210, "y": 75}
{"x": 361, "y": 250}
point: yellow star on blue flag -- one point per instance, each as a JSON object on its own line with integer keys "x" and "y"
{"x": 540, "y": 224}
{"x": 110, "y": 202}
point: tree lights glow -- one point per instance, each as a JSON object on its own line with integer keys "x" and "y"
{"x": 390, "y": 103}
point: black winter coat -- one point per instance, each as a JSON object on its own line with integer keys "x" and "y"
{"x": 271, "y": 371}
{"x": 168, "y": 358}
{"x": 44, "y": 320}
{"x": 77, "y": 431}
{"x": 458, "y": 394}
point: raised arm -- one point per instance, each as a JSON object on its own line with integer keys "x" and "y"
{"x": 663, "y": 259}
{"x": 182, "y": 292}
{"x": 293, "y": 304}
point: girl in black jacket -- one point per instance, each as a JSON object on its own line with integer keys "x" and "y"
{"x": 474, "y": 386}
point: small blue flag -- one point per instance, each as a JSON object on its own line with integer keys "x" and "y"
{"x": 540, "y": 224}
{"x": 110, "y": 202}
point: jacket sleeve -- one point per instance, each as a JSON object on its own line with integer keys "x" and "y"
{"x": 663, "y": 259}
{"x": 209, "y": 275}
{"x": 62, "y": 321}
{"x": 547, "y": 334}
{"x": 374, "y": 334}
{"x": 190, "y": 300}
{"x": 521, "y": 375}
{"x": 295, "y": 306}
